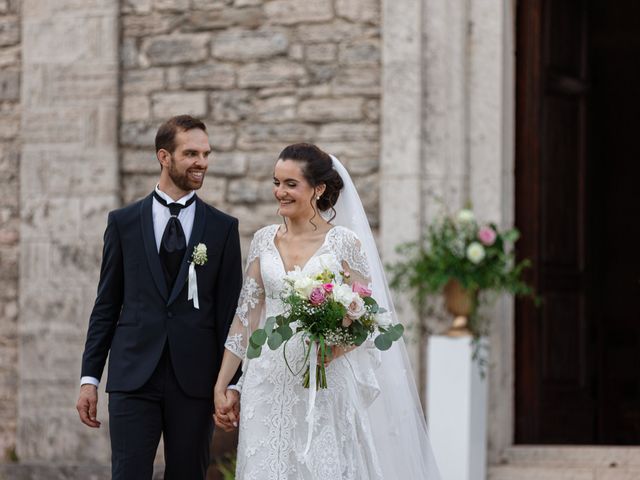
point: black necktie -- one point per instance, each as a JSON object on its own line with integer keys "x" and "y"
{"x": 173, "y": 244}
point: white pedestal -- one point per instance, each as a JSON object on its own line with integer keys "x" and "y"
{"x": 457, "y": 409}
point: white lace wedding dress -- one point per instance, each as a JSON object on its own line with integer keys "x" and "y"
{"x": 273, "y": 429}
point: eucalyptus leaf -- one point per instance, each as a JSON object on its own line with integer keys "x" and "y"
{"x": 395, "y": 332}
{"x": 258, "y": 337}
{"x": 383, "y": 342}
{"x": 269, "y": 325}
{"x": 275, "y": 340}
{"x": 285, "y": 331}
{"x": 253, "y": 352}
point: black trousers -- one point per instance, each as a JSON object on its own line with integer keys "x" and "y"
{"x": 138, "y": 418}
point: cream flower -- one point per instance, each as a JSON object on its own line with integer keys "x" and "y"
{"x": 356, "y": 308}
{"x": 475, "y": 252}
{"x": 465, "y": 216}
{"x": 344, "y": 295}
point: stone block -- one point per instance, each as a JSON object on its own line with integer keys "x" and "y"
{"x": 136, "y": 6}
{"x": 222, "y": 137}
{"x": 273, "y": 137}
{"x": 331, "y": 109}
{"x": 243, "y": 45}
{"x": 224, "y": 18}
{"x": 173, "y": 77}
{"x": 129, "y": 54}
{"x": 339, "y": 132}
{"x": 321, "y": 52}
{"x": 261, "y": 164}
{"x": 171, "y": 5}
{"x": 74, "y": 264}
{"x": 228, "y": 164}
{"x": 142, "y": 81}
{"x": 9, "y": 31}
{"x": 9, "y": 263}
{"x": 213, "y": 190}
{"x": 209, "y": 75}
{"x": 277, "y": 109}
{"x": 91, "y": 172}
{"x": 365, "y": 53}
{"x": 165, "y": 105}
{"x": 231, "y": 106}
{"x": 135, "y": 107}
{"x": 290, "y": 12}
{"x": 336, "y": 31}
{"x": 137, "y": 186}
{"x": 138, "y": 134}
{"x": 247, "y": 3}
{"x": 372, "y": 110}
{"x": 254, "y": 217}
{"x": 4, "y": 6}
{"x": 359, "y": 10}
{"x": 176, "y": 49}
{"x": 139, "y": 161}
{"x": 247, "y": 190}
{"x": 10, "y": 56}
{"x": 9, "y": 85}
{"x": 54, "y": 218}
{"x": 138, "y": 26}
{"x": 296, "y": 52}
{"x": 271, "y": 74}
{"x": 9, "y": 126}
{"x": 210, "y": 4}
{"x": 357, "y": 81}
{"x": 322, "y": 73}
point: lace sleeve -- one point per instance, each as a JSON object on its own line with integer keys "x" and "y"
{"x": 351, "y": 254}
{"x": 251, "y": 302}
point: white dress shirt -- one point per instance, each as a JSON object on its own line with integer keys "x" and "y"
{"x": 161, "y": 216}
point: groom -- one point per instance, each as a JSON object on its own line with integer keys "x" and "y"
{"x": 164, "y": 347}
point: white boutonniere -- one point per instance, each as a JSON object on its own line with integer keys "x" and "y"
{"x": 198, "y": 258}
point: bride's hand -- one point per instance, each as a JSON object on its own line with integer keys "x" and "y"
{"x": 227, "y": 408}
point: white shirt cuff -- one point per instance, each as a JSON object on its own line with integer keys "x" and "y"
{"x": 237, "y": 388}
{"x": 89, "y": 380}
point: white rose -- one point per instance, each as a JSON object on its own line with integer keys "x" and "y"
{"x": 304, "y": 285}
{"x": 343, "y": 294}
{"x": 475, "y": 252}
{"x": 465, "y": 216}
{"x": 356, "y": 308}
{"x": 383, "y": 319}
{"x": 328, "y": 261}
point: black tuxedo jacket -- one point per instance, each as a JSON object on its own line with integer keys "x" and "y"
{"x": 135, "y": 314}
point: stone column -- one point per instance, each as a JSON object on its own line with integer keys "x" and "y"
{"x": 68, "y": 183}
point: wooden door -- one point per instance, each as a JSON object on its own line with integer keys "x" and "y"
{"x": 555, "y": 383}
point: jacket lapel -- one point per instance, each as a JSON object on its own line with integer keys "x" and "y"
{"x": 146, "y": 217}
{"x": 196, "y": 235}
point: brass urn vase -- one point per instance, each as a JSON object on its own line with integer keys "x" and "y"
{"x": 460, "y": 302}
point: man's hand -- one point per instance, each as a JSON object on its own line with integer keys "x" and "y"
{"x": 87, "y": 405}
{"x": 227, "y": 409}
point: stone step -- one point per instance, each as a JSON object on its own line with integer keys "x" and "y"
{"x": 568, "y": 463}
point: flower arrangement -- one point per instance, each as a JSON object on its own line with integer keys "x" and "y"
{"x": 458, "y": 254}
{"x": 328, "y": 311}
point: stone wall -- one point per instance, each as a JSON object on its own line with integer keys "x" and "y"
{"x": 10, "y": 63}
{"x": 262, "y": 74}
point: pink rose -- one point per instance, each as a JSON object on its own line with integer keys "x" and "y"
{"x": 487, "y": 235}
{"x": 361, "y": 290}
{"x": 328, "y": 287}
{"x": 346, "y": 321}
{"x": 317, "y": 296}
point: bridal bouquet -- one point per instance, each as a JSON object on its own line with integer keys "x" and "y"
{"x": 328, "y": 311}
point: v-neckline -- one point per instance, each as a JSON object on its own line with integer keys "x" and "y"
{"x": 284, "y": 267}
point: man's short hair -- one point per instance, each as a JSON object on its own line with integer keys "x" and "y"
{"x": 166, "y": 136}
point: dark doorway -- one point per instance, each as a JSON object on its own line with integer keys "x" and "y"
{"x": 578, "y": 208}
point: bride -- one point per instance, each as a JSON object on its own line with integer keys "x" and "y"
{"x": 368, "y": 424}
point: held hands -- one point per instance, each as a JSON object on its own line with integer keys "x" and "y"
{"x": 227, "y": 408}
{"x": 87, "y": 405}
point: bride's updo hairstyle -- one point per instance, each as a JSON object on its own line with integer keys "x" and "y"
{"x": 317, "y": 168}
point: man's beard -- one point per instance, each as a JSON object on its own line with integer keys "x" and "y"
{"x": 181, "y": 180}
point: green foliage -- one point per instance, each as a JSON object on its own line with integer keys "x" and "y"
{"x": 227, "y": 466}
{"x": 455, "y": 248}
